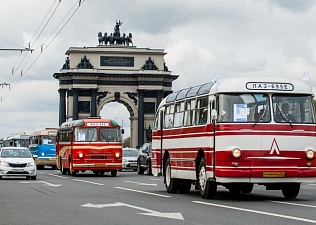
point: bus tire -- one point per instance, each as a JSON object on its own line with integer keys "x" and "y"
{"x": 207, "y": 187}
{"x": 246, "y": 188}
{"x": 73, "y": 173}
{"x": 291, "y": 190}
{"x": 113, "y": 173}
{"x": 185, "y": 186}
{"x": 172, "y": 184}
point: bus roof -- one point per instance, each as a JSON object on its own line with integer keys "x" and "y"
{"x": 90, "y": 122}
{"x": 47, "y": 131}
{"x": 242, "y": 84}
{"x": 261, "y": 84}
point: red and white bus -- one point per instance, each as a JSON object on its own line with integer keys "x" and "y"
{"x": 84, "y": 145}
{"x": 246, "y": 138}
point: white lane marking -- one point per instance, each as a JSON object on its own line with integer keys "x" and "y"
{"x": 258, "y": 212}
{"x": 57, "y": 176}
{"x": 155, "y": 179}
{"x": 291, "y": 203}
{"x": 150, "y": 212}
{"x": 143, "y": 192}
{"x": 46, "y": 183}
{"x": 127, "y": 181}
{"x": 84, "y": 181}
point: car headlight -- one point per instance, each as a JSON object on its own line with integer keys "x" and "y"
{"x": 236, "y": 153}
{"x": 310, "y": 154}
{"x": 2, "y": 163}
{"x": 30, "y": 164}
{"x": 124, "y": 161}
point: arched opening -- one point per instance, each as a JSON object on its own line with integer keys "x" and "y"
{"x": 119, "y": 113}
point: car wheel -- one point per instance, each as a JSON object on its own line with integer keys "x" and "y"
{"x": 0, "y": 178}
{"x": 33, "y": 178}
{"x": 149, "y": 170}
{"x": 140, "y": 170}
{"x": 172, "y": 184}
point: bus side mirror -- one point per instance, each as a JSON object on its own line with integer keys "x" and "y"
{"x": 122, "y": 131}
{"x": 214, "y": 114}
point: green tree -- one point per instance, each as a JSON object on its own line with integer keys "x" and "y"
{"x": 127, "y": 142}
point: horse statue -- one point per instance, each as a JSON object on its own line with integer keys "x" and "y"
{"x": 128, "y": 39}
{"x": 101, "y": 38}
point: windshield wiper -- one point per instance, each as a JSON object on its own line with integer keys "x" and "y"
{"x": 284, "y": 117}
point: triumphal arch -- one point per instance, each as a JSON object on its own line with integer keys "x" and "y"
{"x": 114, "y": 71}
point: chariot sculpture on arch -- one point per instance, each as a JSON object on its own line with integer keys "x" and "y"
{"x": 115, "y": 37}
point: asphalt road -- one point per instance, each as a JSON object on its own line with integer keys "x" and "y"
{"x": 130, "y": 198}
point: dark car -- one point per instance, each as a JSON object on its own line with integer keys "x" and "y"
{"x": 144, "y": 159}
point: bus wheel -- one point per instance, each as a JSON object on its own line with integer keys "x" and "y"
{"x": 113, "y": 173}
{"x": 246, "y": 188}
{"x": 291, "y": 190}
{"x": 96, "y": 173}
{"x": 185, "y": 186}
{"x": 207, "y": 188}
{"x": 73, "y": 173}
{"x": 172, "y": 184}
{"x": 40, "y": 167}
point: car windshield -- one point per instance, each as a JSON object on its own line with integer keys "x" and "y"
{"x": 15, "y": 153}
{"x": 130, "y": 153}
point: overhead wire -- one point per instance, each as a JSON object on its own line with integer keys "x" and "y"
{"x": 18, "y": 78}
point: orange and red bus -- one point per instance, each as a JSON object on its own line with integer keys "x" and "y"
{"x": 246, "y": 138}
{"x": 82, "y": 145}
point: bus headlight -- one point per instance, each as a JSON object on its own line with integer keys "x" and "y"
{"x": 80, "y": 155}
{"x": 310, "y": 154}
{"x": 117, "y": 155}
{"x": 43, "y": 154}
{"x": 236, "y": 153}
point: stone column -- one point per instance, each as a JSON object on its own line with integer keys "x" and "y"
{"x": 93, "y": 102}
{"x": 75, "y": 114}
{"x": 140, "y": 117}
{"x": 159, "y": 95}
{"x": 62, "y": 105}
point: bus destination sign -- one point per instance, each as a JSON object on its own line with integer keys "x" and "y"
{"x": 269, "y": 86}
{"x": 98, "y": 124}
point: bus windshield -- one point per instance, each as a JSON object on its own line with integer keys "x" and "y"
{"x": 48, "y": 140}
{"x": 110, "y": 134}
{"x": 244, "y": 108}
{"x": 293, "y": 108}
{"x": 85, "y": 134}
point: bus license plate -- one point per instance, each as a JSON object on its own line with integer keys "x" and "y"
{"x": 273, "y": 174}
{"x": 99, "y": 165}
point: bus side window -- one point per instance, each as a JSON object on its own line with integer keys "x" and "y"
{"x": 188, "y": 114}
{"x": 178, "y": 116}
{"x": 201, "y": 111}
{"x": 169, "y": 117}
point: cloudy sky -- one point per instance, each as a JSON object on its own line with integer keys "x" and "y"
{"x": 202, "y": 38}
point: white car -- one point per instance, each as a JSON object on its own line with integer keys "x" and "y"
{"x": 129, "y": 159}
{"x": 17, "y": 161}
